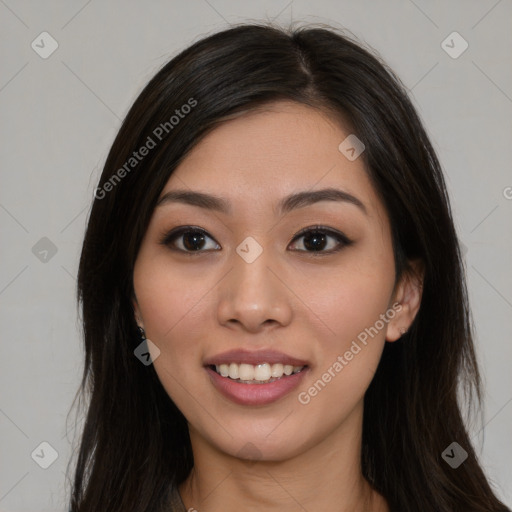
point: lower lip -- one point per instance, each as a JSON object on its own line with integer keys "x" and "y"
{"x": 255, "y": 394}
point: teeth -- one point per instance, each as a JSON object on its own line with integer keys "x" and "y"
{"x": 260, "y": 373}
{"x": 233, "y": 371}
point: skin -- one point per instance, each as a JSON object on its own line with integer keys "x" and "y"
{"x": 193, "y": 307}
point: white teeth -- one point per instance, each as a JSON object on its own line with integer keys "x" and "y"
{"x": 246, "y": 372}
{"x": 277, "y": 370}
{"x": 256, "y": 373}
{"x": 262, "y": 372}
{"x": 224, "y": 370}
{"x": 233, "y": 371}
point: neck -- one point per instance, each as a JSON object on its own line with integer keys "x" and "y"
{"x": 326, "y": 476}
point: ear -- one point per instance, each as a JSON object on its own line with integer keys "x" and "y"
{"x": 136, "y": 310}
{"x": 408, "y": 292}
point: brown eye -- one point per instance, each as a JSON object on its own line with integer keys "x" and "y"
{"x": 189, "y": 240}
{"x": 321, "y": 240}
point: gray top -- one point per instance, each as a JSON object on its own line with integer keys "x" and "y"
{"x": 176, "y": 503}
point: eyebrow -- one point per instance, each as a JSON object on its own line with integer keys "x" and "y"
{"x": 285, "y": 205}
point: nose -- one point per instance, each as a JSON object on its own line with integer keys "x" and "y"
{"x": 252, "y": 297}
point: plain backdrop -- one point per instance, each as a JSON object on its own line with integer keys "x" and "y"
{"x": 59, "y": 116}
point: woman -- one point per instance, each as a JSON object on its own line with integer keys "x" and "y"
{"x": 274, "y": 305}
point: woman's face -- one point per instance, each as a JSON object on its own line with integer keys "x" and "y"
{"x": 243, "y": 279}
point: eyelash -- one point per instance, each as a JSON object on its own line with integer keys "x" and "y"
{"x": 168, "y": 239}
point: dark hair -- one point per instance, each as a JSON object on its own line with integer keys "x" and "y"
{"x": 135, "y": 448}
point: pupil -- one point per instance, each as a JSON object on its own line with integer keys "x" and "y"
{"x": 317, "y": 240}
{"x": 190, "y": 239}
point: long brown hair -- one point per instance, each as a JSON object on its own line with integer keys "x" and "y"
{"x": 135, "y": 448}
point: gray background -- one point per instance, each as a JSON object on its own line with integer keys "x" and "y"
{"x": 58, "y": 119}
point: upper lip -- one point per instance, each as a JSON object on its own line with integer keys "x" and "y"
{"x": 254, "y": 357}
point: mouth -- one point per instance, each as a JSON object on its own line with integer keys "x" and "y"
{"x": 256, "y": 385}
{"x": 261, "y": 373}
{"x": 255, "y": 377}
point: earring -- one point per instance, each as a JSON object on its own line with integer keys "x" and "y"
{"x": 142, "y": 332}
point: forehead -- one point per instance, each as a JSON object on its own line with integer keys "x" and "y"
{"x": 261, "y": 156}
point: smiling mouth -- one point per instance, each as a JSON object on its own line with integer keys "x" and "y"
{"x": 263, "y": 373}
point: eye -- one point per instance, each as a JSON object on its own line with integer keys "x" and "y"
{"x": 316, "y": 240}
{"x": 190, "y": 240}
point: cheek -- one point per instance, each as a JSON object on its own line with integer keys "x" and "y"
{"x": 176, "y": 305}
{"x": 172, "y": 306}
{"x": 169, "y": 298}
{"x": 350, "y": 350}
{"x": 352, "y": 307}
{"x": 354, "y": 300}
